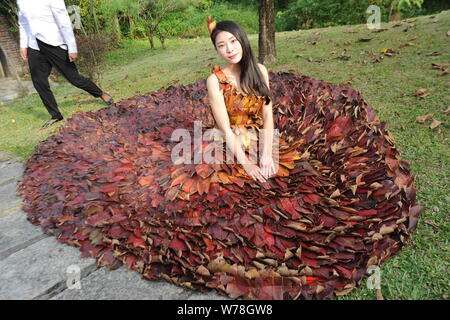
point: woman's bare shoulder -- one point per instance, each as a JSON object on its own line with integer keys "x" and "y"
{"x": 212, "y": 81}
{"x": 212, "y": 84}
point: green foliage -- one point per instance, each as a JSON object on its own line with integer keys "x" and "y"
{"x": 9, "y": 9}
{"x": 191, "y": 22}
{"x": 302, "y": 14}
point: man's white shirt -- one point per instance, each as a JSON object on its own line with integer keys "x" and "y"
{"x": 48, "y": 21}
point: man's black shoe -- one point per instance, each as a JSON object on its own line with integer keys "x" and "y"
{"x": 51, "y": 121}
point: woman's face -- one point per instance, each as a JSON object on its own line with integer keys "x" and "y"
{"x": 228, "y": 47}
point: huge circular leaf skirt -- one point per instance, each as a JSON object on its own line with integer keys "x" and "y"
{"x": 106, "y": 184}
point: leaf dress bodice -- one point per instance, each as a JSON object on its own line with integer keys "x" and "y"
{"x": 244, "y": 110}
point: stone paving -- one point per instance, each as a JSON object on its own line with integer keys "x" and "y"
{"x": 9, "y": 89}
{"x": 35, "y": 266}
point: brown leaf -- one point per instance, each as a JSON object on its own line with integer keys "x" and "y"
{"x": 435, "y": 124}
{"x": 432, "y": 223}
{"x": 408, "y": 44}
{"x": 440, "y": 65}
{"x": 420, "y": 91}
{"x": 422, "y": 119}
{"x": 379, "y": 295}
{"x": 296, "y": 225}
{"x": 443, "y": 73}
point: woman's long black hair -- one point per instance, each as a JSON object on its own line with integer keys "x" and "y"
{"x": 251, "y": 78}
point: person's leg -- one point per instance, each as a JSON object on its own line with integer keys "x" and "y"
{"x": 40, "y": 69}
{"x": 59, "y": 58}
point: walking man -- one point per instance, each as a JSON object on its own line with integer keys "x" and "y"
{"x": 47, "y": 40}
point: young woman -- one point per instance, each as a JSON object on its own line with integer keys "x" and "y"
{"x": 247, "y": 76}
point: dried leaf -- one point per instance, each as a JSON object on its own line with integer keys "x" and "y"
{"x": 435, "y": 124}
{"x": 422, "y": 119}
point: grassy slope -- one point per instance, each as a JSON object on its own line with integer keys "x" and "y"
{"x": 420, "y": 270}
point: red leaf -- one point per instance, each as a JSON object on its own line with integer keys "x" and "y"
{"x": 136, "y": 242}
{"x": 237, "y": 288}
{"x": 311, "y": 198}
{"x": 177, "y": 244}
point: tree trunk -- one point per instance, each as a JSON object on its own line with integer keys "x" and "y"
{"x": 150, "y": 36}
{"x": 117, "y": 29}
{"x": 160, "y": 36}
{"x": 266, "y": 41}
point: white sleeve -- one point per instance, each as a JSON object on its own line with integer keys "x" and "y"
{"x": 23, "y": 33}
{"x": 65, "y": 25}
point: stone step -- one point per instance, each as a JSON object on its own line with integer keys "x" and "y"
{"x": 10, "y": 172}
{"x": 17, "y": 233}
{"x": 40, "y": 270}
{"x": 8, "y": 198}
{"x": 126, "y": 284}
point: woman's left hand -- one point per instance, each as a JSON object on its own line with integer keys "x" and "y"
{"x": 267, "y": 166}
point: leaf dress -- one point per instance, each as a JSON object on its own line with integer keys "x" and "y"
{"x": 342, "y": 199}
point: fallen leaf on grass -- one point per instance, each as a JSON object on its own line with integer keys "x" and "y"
{"x": 408, "y": 44}
{"x": 440, "y": 65}
{"x": 447, "y": 111}
{"x": 387, "y": 52}
{"x": 443, "y": 73}
{"x": 380, "y": 30}
{"x": 422, "y": 119}
{"x": 435, "y": 124}
{"x": 421, "y": 93}
{"x": 379, "y": 295}
{"x": 431, "y": 223}
{"x": 364, "y": 39}
{"x": 434, "y": 53}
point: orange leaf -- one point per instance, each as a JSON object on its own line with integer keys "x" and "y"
{"x": 145, "y": 181}
{"x": 180, "y": 179}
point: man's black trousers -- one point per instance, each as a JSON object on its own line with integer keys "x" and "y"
{"x": 41, "y": 62}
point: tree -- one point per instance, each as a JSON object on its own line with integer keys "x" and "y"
{"x": 152, "y": 13}
{"x": 396, "y": 6}
{"x": 266, "y": 40}
{"x": 125, "y": 11}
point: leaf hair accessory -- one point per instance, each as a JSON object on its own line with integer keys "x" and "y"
{"x": 211, "y": 25}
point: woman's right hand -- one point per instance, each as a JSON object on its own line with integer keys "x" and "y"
{"x": 254, "y": 171}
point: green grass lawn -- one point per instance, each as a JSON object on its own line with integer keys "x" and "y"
{"x": 421, "y": 269}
